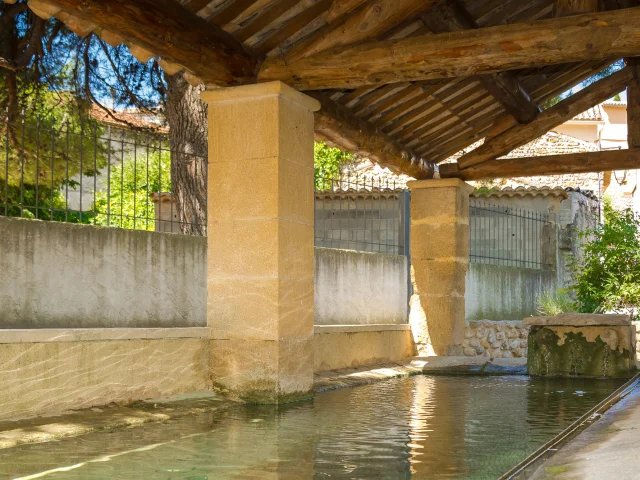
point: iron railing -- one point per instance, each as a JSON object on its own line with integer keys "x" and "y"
{"x": 509, "y": 236}
{"x": 89, "y": 172}
{"x": 358, "y": 212}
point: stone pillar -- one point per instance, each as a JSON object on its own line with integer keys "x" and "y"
{"x": 260, "y": 241}
{"x": 439, "y": 261}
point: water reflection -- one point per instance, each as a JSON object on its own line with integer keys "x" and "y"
{"x": 423, "y": 427}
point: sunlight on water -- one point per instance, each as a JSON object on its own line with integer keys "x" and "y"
{"x": 420, "y": 427}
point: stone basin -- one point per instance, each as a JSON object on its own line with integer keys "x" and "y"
{"x": 581, "y": 345}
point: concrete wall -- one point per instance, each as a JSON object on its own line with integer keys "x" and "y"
{"x": 59, "y": 275}
{"x": 495, "y": 292}
{"x": 355, "y": 288}
{"x": 337, "y": 347}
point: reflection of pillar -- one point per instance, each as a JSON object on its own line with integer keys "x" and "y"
{"x": 437, "y": 427}
{"x": 439, "y": 261}
{"x": 260, "y": 241}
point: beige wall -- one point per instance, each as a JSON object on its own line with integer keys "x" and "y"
{"x": 336, "y": 347}
{"x": 50, "y": 371}
{"x": 617, "y": 113}
{"x": 587, "y": 131}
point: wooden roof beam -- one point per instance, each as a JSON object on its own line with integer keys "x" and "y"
{"x": 561, "y": 112}
{"x": 338, "y": 125}
{"x": 468, "y": 52}
{"x": 583, "y": 162}
{"x": 172, "y": 32}
{"x": 451, "y": 16}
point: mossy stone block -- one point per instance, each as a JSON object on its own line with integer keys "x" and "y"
{"x": 594, "y": 351}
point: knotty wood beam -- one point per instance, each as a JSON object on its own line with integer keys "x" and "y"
{"x": 585, "y": 162}
{"x": 359, "y": 22}
{"x": 633, "y": 104}
{"x": 341, "y": 127}
{"x": 559, "y": 113}
{"x": 172, "y": 32}
{"x": 451, "y": 16}
{"x": 464, "y": 53}
{"x": 565, "y": 8}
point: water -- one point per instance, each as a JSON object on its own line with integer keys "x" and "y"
{"x": 419, "y": 427}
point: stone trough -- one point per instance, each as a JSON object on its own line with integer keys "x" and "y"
{"x": 581, "y": 345}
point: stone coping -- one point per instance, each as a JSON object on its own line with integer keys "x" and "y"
{"x": 579, "y": 320}
{"x": 51, "y": 335}
{"x": 378, "y": 327}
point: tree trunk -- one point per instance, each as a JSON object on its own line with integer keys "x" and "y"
{"x": 187, "y": 119}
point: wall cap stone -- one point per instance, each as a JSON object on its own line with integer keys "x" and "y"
{"x": 440, "y": 183}
{"x": 579, "y": 320}
{"x": 58, "y": 335}
{"x": 258, "y": 91}
{"x": 320, "y": 329}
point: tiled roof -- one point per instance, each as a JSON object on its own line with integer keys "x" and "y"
{"x": 615, "y": 103}
{"x": 128, "y": 119}
{"x": 592, "y": 114}
{"x": 529, "y": 192}
{"x": 552, "y": 143}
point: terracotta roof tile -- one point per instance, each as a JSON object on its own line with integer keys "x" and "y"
{"x": 592, "y": 114}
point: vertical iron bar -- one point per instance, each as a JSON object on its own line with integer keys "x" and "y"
{"x": 122, "y": 180}
{"x": 95, "y": 169}
{"x": 66, "y": 194}
{"x": 81, "y": 159}
{"x": 147, "y": 194}
{"x": 109, "y": 177}
{"x": 135, "y": 176}
{"x": 6, "y": 167}
{"x": 37, "y": 174}
{"x": 22, "y": 169}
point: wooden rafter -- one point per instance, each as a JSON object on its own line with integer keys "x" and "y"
{"x": 463, "y": 53}
{"x": 172, "y": 32}
{"x": 451, "y": 16}
{"x": 552, "y": 117}
{"x": 338, "y": 125}
{"x": 584, "y": 162}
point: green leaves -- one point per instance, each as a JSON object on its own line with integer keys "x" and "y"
{"x": 327, "y": 164}
{"x": 607, "y": 277}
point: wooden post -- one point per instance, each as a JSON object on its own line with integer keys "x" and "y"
{"x": 633, "y": 104}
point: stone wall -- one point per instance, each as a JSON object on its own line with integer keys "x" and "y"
{"x": 50, "y": 371}
{"x": 495, "y": 339}
{"x": 60, "y": 275}
{"x": 505, "y": 339}
{"x": 358, "y": 288}
{"x": 336, "y": 347}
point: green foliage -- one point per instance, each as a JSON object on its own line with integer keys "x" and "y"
{"x": 552, "y": 303}
{"x": 607, "y": 278}
{"x": 327, "y": 164}
{"x": 126, "y": 203}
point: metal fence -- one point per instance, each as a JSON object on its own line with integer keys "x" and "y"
{"x": 508, "y": 236}
{"x": 361, "y": 213}
{"x": 95, "y": 173}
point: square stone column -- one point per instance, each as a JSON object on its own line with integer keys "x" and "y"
{"x": 260, "y": 241}
{"x": 439, "y": 261}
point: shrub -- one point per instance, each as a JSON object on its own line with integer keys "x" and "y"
{"x": 607, "y": 277}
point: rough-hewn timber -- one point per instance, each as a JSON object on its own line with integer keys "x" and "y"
{"x": 585, "y": 162}
{"x": 633, "y": 104}
{"x": 504, "y": 87}
{"x": 339, "y": 126}
{"x": 467, "y": 52}
{"x": 172, "y": 32}
{"x": 561, "y": 112}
